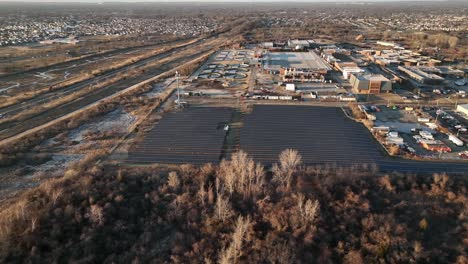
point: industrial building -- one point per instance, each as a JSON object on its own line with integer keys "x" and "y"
{"x": 421, "y": 76}
{"x": 463, "y": 108}
{"x": 370, "y": 83}
{"x": 299, "y": 44}
{"x": 347, "y": 71}
{"x": 296, "y": 66}
{"x": 389, "y": 44}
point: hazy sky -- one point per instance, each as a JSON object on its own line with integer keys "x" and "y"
{"x": 229, "y": 1}
{"x": 216, "y": 1}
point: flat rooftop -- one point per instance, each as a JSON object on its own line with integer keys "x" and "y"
{"x": 373, "y": 77}
{"x": 417, "y": 71}
{"x": 299, "y": 60}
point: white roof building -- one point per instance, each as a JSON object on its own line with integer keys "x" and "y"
{"x": 463, "y": 108}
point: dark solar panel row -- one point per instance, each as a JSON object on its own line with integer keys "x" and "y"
{"x": 194, "y": 135}
{"x": 324, "y": 135}
{"x": 320, "y": 134}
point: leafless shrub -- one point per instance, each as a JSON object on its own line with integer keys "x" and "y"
{"x": 308, "y": 209}
{"x": 357, "y": 113}
{"x": 463, "y": 216}
{"x": 440, "y": 183}
{"x": 394, "y": 149}
{"x": 281, "y": 253}
{"x": 353, "y": 257}
{"x": 187, "y": 169}
{"x": 96, "y": 214}
{"x": 173, "y": 180}
{"x": 386, "y": 183}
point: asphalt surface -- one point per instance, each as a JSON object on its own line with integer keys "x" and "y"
{"x": 194, "y": 135}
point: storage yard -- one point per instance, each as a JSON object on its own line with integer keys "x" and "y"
{"x": 425, "y": 133}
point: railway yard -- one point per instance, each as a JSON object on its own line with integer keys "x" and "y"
{"x": 44, "y": 122}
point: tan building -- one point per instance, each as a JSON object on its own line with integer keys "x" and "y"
{"x": 370, "y": 84}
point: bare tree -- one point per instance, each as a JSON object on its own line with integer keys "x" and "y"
{"x": 308, "y": 209}
{"x": 202, "y": 193}
{"x": 231, "y": 253}
{"x": 228, "y": 175}
{"x": 33, "y": 223}
{"x": 223, "y": 208}
{"x": 289, "y": 161}
{"x": 440, "y": 183}
{"x": 238, "y": 236}
{"x": 242, "y": 175}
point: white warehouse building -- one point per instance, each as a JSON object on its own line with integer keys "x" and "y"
{"x": 348, "y": 70}
{"x": 463, "y": 108}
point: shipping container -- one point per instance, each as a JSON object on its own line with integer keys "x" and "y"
{"x": 424, "y": 119}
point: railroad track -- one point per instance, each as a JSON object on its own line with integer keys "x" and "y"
{"x": 8, "y": 130}
{"x": 13, "y": 76}
{"x": 48, "y": 97}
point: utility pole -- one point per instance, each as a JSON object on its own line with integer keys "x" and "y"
{"x": 177, "y": 75}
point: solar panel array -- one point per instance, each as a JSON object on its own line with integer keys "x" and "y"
{"x": 320, "y": 134}
{"x": 323, "y": 135}
{"x": 194, "y": 135}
